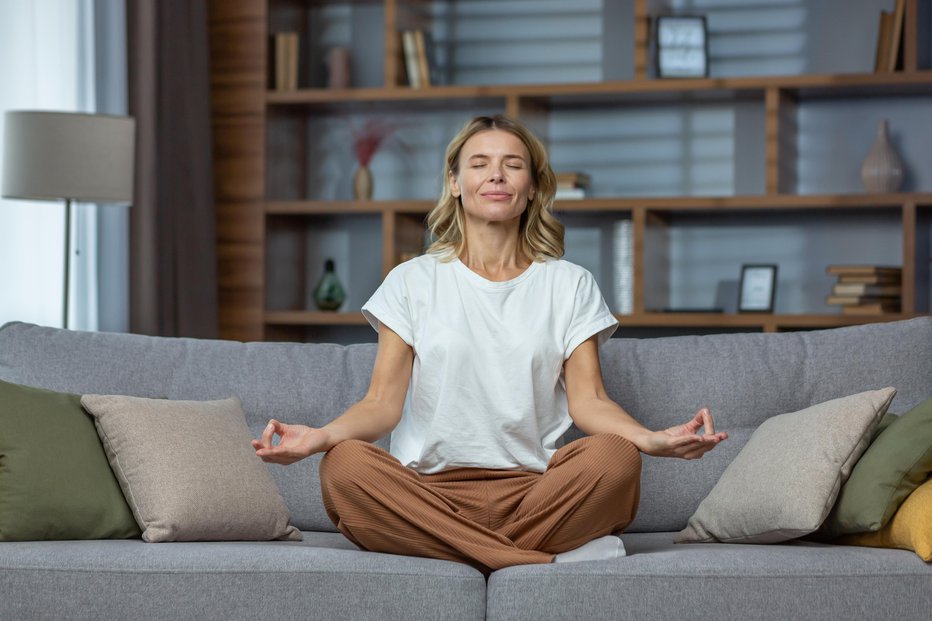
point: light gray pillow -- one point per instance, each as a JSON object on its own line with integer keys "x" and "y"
{"x": 785, "y": 480}
{"x": 188, "y": 471}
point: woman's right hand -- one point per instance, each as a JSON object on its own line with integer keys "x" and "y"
{"x": 295, "y": 442}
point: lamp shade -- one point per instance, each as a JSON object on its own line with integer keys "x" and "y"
{"x": 68, "y": 155}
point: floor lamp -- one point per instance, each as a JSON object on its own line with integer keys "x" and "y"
{"x": 68, "y": 156}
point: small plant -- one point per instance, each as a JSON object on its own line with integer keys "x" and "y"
{"x": 369, "y": 137}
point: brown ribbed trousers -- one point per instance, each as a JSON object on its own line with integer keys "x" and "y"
{"x": 487, "y": 518}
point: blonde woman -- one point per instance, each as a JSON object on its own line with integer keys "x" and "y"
{"x": 488, "y": 352}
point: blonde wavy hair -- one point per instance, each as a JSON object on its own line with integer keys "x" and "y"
{"x": 541, "y": 234}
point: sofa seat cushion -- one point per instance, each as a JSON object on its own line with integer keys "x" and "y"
{"x": 323, "y": 577}
{"x": 714, "y": 581}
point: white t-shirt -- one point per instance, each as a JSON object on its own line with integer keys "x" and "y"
{"x": 487, "y": 385}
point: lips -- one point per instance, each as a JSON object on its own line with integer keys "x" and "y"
{"x": 497, "y": 196}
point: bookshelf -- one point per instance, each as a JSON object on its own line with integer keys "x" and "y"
{"x": 762, "y": 172}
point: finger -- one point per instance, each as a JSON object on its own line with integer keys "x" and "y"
{"x": 269, "y": 433}
{"x": 269, "y": 455}
{"x": 684, "y": 442}
{"x": 707, "y": 421}
{"x": 695, "y": 422}
{"x": 699, "y": 451}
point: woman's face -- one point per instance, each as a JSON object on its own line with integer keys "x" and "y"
{"x": 494, "y": 179}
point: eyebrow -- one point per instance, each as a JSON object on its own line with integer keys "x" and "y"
{"x": 509, "y": 156}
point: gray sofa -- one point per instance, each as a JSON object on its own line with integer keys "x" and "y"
{"x": 744, "y": 378}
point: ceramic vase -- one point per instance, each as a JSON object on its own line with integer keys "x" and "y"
{"x": 329, "y": 294}
{"x": 338, "y": 68}
{"x": 362, "y": 184}
{"x": 882, "y": 170}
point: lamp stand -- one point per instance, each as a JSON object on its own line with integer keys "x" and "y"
{"x": 67, "y": 279}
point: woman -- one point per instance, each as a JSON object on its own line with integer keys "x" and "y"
{"x": 498, "y": 340}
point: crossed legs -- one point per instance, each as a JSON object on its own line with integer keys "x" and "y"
{"x": 487, "y": 518}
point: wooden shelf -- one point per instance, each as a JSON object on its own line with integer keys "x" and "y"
{"x": 861, "y": 84}
{"x": 334, "y": 208}
{"x": 663, "y": 203}
{"x": 763, "y": 321}
{"x": 766, "y": 322}
{"x": 313, "y": 318}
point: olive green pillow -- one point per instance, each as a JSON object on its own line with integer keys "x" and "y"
{"x": 55, "y": 480}
{"x": 896, "y": 463}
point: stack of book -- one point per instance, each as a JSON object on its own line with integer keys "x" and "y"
{"x": 571, "y": 185}
{"x": 419, "y": 66}
{"x": 866, "y": 289}
{"x": 283, "y": 61}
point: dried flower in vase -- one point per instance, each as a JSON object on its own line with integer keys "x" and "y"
{"x": 368, "y": 138}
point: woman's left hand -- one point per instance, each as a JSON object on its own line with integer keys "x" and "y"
{"x": 684, "y": 441}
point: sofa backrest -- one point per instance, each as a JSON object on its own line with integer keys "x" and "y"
{"x": 743, "y": 378}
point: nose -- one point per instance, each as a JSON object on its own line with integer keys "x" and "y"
{"x": 495, "y": 172}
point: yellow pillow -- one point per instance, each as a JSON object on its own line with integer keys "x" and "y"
{"x": 909, "y": 529}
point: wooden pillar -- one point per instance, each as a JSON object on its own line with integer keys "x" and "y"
{"x": 237, "y": 37}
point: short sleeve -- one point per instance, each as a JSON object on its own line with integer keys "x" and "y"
{"x": 389, "y": 305}
{"x": 590, "y": 316}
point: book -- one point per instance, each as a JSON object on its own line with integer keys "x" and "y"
{"x": 283, "y": 61}
{"x": 409, "y": 44}
{"x": 884, "y": 32}
{"x": 870, "y": 279}
{"x": 423, "y": 63}
{"x": 857, "y": 300}
{"x": 569, "y": 194}
{"x": 863, "y": 270}
{"x": 867, "y": 290}
{"x": 292, "y": 43}
{"x": 277, "y": 55}
{"x": 401, "y": 74}
{"x": 572, "y": 180}
{"x": 896, "y": 36}
{"x": 875, "y": 308}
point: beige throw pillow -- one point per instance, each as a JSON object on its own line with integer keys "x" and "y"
{"x": 188, "y": 471}
{"x": 785, "y": 480}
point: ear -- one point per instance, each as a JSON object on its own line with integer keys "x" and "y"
{"x": 454, "y": 185}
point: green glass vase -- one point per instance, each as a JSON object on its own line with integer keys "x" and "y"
{"x": 329, "y": 294}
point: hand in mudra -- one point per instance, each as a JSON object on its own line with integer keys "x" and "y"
{"x": 684, "y": 440}
{"x": 295, "y": 442}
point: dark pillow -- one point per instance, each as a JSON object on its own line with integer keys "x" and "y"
{"x": 897, "y": 462}
{"x": 55, "y": 480}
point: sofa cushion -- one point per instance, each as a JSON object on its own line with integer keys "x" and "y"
{"x": 909, "y": 529}
{"x": 784, "y": 481}
{"x": 55, "y": 482}
{"x": 894, "y": 465}
{"x": 188, "y": 470}
{"x": 658, "y": 579}
{"x": 323, "y": 577}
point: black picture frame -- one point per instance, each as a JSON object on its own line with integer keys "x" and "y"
{"x": 757, "y": 288}
{"x": 695, "y": 20}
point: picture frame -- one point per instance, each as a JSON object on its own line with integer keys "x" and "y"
{"x": 757, "y": 288}
{"x": 682, "y": 49}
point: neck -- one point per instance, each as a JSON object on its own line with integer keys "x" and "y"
{"x": 491, "y": 250}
